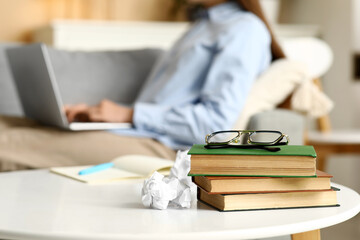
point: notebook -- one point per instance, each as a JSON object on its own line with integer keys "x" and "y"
{"x": 125, "y": 167}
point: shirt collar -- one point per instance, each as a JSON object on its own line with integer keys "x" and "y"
{"x": 223, "y": 11}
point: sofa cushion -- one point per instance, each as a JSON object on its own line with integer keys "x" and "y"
{"x": 89, "y": 77}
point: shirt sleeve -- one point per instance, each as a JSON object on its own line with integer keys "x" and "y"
{"x": 236, "y": 63}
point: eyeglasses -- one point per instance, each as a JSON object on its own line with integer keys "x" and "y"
{"x": 246, "y": 139}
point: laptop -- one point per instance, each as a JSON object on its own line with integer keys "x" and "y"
{"x": 38, "y": 90}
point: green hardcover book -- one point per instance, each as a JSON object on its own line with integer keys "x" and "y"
{"x": 290, "y": 161}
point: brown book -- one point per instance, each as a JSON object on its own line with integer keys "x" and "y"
{"x": 227, "y": 185}
{"x": 276, "y": 200}
{"x": 291, "y": 160}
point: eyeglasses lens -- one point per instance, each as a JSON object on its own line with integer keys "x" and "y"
{"x": 264, "y": 137}
{"x": 223, "y": 137}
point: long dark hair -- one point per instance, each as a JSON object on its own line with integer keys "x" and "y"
{"x": 255, "y": 7}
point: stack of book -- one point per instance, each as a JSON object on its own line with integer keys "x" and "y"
{"x": 248, "y": 179}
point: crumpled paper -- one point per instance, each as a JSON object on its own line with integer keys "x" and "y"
{"x": 175, "y": 190}
{"x": 157, "y": 193}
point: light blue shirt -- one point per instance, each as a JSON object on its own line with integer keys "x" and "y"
{"x": 201, "y": 84}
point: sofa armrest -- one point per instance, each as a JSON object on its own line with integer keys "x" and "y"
{"x": 286, "y": 121}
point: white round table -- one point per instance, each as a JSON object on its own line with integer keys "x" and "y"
{"x": 40, "y": 205}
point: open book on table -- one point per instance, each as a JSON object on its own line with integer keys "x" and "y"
{"x": 125, "y": 167}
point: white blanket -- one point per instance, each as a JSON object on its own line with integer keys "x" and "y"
{"x": 285, "y": 77}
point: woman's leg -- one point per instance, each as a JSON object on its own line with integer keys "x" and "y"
{"x": 27, "y": 144}
{"x": 5, "y": 124}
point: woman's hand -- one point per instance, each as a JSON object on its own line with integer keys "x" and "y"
{"x": 77, "y": 113}
{"x": 106, "y": 111}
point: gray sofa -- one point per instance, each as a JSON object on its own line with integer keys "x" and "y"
{"x": 118, "y": 75}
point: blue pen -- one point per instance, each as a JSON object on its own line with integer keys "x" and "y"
{"x": 96, "y": 168}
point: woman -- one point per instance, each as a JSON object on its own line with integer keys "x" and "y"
{"x": 201, "y": 84}
{"x": 198, "y": 87}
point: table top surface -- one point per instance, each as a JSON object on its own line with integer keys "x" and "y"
{"x": 335, "y": 136}
{"x": 40, "y": 205}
